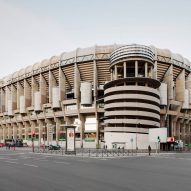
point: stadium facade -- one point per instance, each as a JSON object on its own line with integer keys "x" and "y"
{"x": 112, "y": 94}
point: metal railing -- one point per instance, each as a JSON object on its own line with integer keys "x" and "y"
{"x": 83, "y": 152}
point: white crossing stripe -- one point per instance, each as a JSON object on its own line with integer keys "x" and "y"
{"x": 61, "y": 162}
{"x": 31, "y": 165}
{"x": 11, "y": 162}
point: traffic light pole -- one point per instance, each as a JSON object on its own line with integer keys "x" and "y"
{"x": 33, "y": 136}
{"x": 32, "y": 144}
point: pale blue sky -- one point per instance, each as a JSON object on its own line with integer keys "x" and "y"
{"x": 33, "y": 30}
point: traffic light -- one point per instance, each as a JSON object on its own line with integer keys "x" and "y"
{"x": 158, "y": 139}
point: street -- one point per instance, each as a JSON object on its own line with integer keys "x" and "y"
{"x": 25, "y": 171}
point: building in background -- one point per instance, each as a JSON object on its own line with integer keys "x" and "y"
{"x": 112, "y": 94}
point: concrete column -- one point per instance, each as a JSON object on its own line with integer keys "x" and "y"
{"x": 49, "y": 137}
{"x": 155, "y": 70}
{"x": 189, "y": 133}
{"x": 52, "y": 83}
{"x": 124, "y": 69}
{"x": 14, "y": 97}
{"x": 111, "y": 75}
{"x": 6, "y": 99}
{"x": 27, "y": 93}
{"x": 9, "y": 131}
{"x": 183, "y": 130}
{"x": 174, "y": 128}
{"x": 4, "y": 133}
{"x": 115, "y": 72}
{"x": 2, "y": 100}
{"x": 95, "y": 81}
{"x": 136, "y": 68}
{"x": 97, "y": 130}
{"x": 62, "y": 84}
{"x": 57, "y": 130}
{"x": 14, "y": 131}
{"x": 26, "y": 127}
{"x": 20, "y": 130}
{"x": 76, "y": 82}
{"x": 20, "y": 92}
{"x": 47, "y": 129}
{"x": 179, "y": 129}
{"x": 168, "y": 78}
{"x": 188, "y": 86}
{"x": 40, "y": 131}
{"x": 152, "y": 73}
{"x": 146, "y": 69}
{"x": 1, "y": 133}
{"x": 35, "y": 88}
{"x": 180, "y": 86}
{"x": 82, "y": 128}
{"x": 43, "y": 92}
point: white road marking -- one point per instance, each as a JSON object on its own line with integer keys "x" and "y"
{"x": 12, "y": 154}
{"x": 40, "y": 159}
{"x": 11, "y": 162}
{"x": 31, "y": 165}
{"x": 23, "y": 157}
{"x": 61, "y": 162}
{"x": 171, "y": 157}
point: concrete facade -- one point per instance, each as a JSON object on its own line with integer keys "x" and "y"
{"x": 122, "y": 84}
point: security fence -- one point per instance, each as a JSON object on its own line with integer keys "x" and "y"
{"x": 84, "y": 152}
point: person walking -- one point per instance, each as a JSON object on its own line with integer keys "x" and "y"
{"x": 149, "y": 150}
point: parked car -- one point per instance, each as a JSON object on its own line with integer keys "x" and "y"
{"x": 25, "y": 145}
{"x": 54, "y": 147}
{"x": 2, "y": 144}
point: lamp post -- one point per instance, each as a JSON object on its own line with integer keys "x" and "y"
{"x": 33, "y": 135}
{"x": 137, "y": 124}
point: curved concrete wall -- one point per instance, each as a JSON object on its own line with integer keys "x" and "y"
{"x": 131, "y": 108}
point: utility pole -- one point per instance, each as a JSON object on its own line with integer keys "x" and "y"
{"x": 33, "y": 135}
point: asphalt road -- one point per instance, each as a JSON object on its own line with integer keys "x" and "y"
{"x": 23, "y": 171}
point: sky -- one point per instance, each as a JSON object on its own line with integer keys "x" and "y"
{"x": 34, "y": 30}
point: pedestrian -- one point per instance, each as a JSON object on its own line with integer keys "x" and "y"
{"x": 149, "y": 150}
{"x": 106, "y": 146}
{"x": 14, "y": 145}
{"x": 9, "y": 146}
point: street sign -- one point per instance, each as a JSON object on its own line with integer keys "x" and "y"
{"x": 171, "y": 139}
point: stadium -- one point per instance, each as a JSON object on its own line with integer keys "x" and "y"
{"x": 112, "y": 94}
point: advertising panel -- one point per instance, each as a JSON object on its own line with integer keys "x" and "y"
{"x": 70, "y": 140}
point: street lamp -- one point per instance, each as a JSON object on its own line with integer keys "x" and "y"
{"x": 33, "y": 135}
{"x": 136, "y": 135}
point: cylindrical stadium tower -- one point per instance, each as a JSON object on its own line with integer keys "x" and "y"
{"x": 132, "y": 101}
